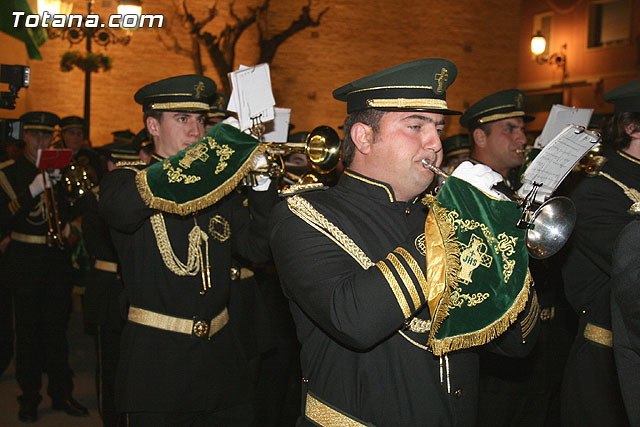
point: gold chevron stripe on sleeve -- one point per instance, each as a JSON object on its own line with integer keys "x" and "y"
{"x": 406, "y": 280}
{"x": 395, "y": 288}
{"x": 415, "y": 268}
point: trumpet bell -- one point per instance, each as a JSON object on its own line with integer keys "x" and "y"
{"x": 323, "y": 149}
{"x": 551, "y": 226}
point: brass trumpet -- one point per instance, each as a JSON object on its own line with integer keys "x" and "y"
{"x": 54, "y": 234}
{"x": 322, "y": 147}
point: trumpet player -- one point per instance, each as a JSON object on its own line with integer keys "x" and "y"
{"x": 39, "y": 276}
{"x": 180, "y": 361}
{"x": 352, "y": 261}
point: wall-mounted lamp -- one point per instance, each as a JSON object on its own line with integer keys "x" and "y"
{"x": 539, "y": 45}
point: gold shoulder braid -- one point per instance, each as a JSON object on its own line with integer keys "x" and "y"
{"x": 305, "y": 211}
{"x": 631, "y": 193}
{"x": 195, "y": 261}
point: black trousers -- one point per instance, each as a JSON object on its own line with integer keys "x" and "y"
{"x": 39, "y": 279}
{"x": 107, "y": 351}
{"x": 6, "y": 327}
{"x": 41, "y": 342}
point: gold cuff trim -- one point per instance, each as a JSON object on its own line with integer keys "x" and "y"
{"x": 326, "y": 416}
{"x": 436, "y": 104}
{"x": 108, "y": 266}
{"x": 28, "y": 238}
{"x": 406, "y": 280}
{"x": 530, "y": 320}
{"x": 598, "y": 335}
{"x": 199, "y": 328}
{"x": 306, "y": 212}
{"x": 494, "y": 117}
{"x": 201, "y": 202}
{"x": 180, "y": 105}
{"x": 395, "y": 288}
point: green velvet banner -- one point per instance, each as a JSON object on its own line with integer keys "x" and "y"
{"x": 491, "y": 283}
{"x": 201, "y": 174}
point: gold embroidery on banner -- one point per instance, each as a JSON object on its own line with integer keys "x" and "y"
{"x": 196, "y": 152}
{"x": 420, "y": 244}
{"x": 176, "y": 175}
{"x": 219, "y": 228}
{"x": 306, "y": 212}
{"x": 395, "y": 288}
{"x": 224, "y": 152}
{"x": 406, "y": 280}
{"x": 504, "y": 245}
{"x": 472, "y": 256}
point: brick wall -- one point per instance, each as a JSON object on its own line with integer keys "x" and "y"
{"x": 356, "y": 37}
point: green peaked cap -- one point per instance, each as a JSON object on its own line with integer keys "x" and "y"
{"x": 419, "y": 85}
{"x": 456, "y": 144}
{"x": 201, "y": 174}
{"x": 626, "y": 98}
{"x": 189, "y": 93}
{"x": 39, "y": 120}
{"x": 497, "y": 106}
{"x": 71, "y": 122}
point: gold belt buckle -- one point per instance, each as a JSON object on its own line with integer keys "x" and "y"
{"x": 200, "y": 329}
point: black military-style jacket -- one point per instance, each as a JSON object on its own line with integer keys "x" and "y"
{"x": 21, "y": 213}
{"x": 348, "y": 318}
{"x": 163, "y": 371}
{"x": 602, "y": 213}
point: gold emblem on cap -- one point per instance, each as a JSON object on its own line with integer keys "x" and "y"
{"x": 519, "y": 101}
{"x": 198, "y": 88}
{"x": 441, "y": 78}
{"x": 41, "y": 118}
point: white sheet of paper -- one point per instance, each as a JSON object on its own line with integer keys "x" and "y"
{"x": 252, "y": 95}
{"x": 559, "y": 117}
{"x": 278, "y": 129}
{"x": 556, "y": 160}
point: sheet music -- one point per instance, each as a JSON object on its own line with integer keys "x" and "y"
{"x": 252, "y": 96}
{"x": 278, "y": 129}
{"x": 559, "y": 117}
{"x": 556, "y": 160}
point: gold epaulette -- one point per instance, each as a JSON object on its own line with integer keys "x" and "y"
{"x": 292, "y": 190}
{"x": 7, "y": 163}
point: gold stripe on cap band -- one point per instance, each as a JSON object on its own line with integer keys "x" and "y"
{"x": 499, "y": 107}
{"x": 391, "y": 87}
{"x": 168, "y": 94}
{"x": 437, "y": 104}
{"x": 177, "y": 105}
{"x": 75, "y": 125}
{"x": 39, "y": 127}
{"x": 501, "y": 116}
